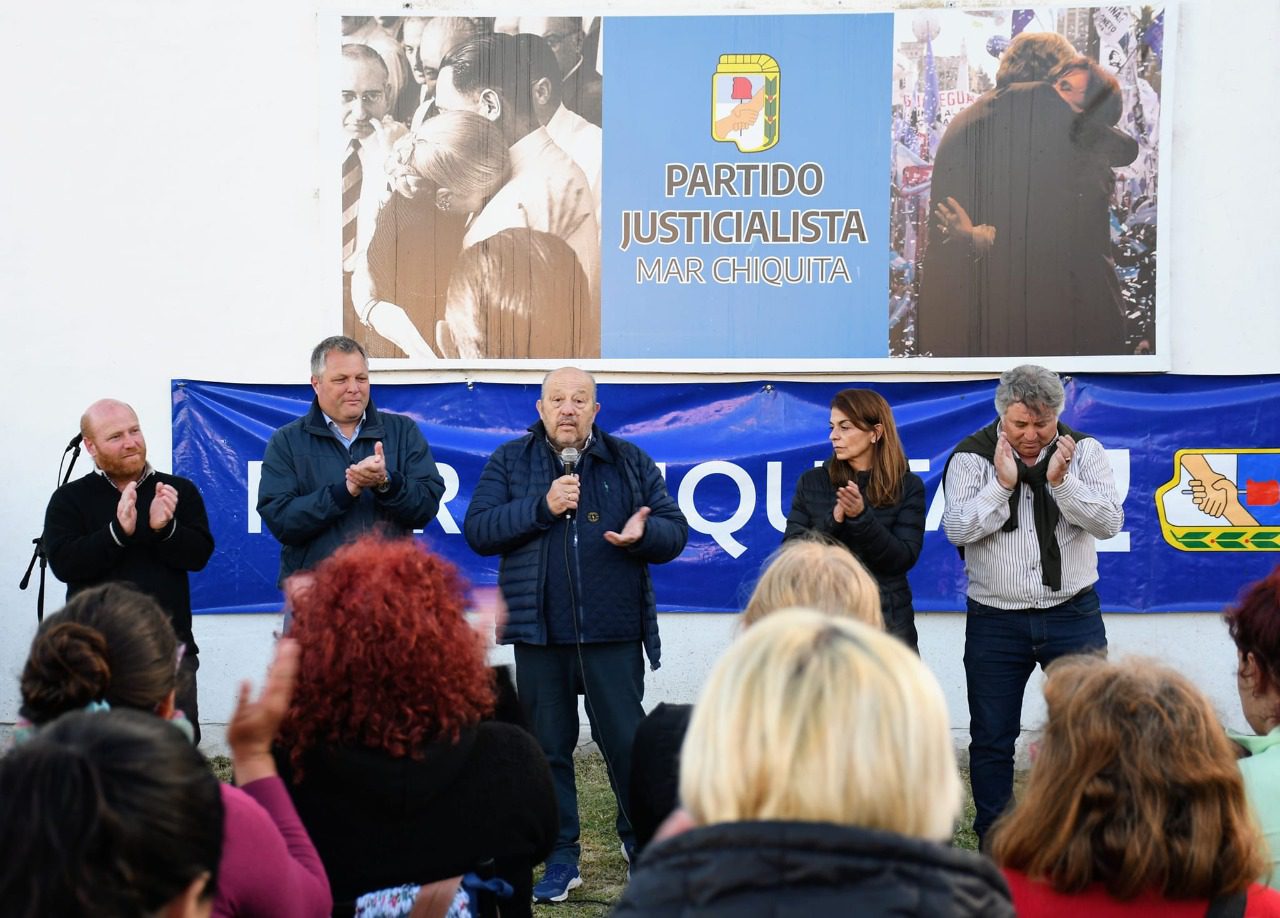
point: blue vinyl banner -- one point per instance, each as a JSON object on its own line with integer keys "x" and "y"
{"x": 1196, "y": 460}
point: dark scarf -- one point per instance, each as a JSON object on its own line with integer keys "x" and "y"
{"x": 1044, "y": 507}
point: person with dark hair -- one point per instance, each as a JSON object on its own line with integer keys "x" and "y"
{"x": 1254, "y": 625}
{"x": 583, "y": 87}
{"x": 344, "y": 467}
{"x": 440, "y": 36}
{"x": 577, "y": 515}
{"x": 1018, "y": 257}
{"x": 110, "y": 815}
{"x": 1134, "y": 804}
{"x": 397, "y": 772}
{"x": 111, "y": 648}
{"x": 582, "y": 140}
{"x": 418, "y": 93}
{"x": 866, "y": 498}
{"x": 547, "y": 191}
{"x": 1026, "y": 499}
{"x": 127, "y": 522}
{"x": 1031, "y": 56}
{"x": 519, "y": 294}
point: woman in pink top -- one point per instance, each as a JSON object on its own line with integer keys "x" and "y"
{"x": 1134, "y": 805}
{"x": 112, "y": 647}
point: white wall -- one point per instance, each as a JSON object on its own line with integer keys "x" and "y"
{"x": 161, "y": 219}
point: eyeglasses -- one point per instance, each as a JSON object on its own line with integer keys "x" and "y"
{"x": 370, "y": 97}
{"x": 556, "y": 39}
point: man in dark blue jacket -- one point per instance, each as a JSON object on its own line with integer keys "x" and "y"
{"x": 576, "y": 549}
{"x": 344, "y": 467}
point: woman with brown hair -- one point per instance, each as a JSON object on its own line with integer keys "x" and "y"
{"x": 112, "y": 648}
{"x": 397, "y": 773}
{"x": 866, "y": 498}
{"x": 1134, "y": 805}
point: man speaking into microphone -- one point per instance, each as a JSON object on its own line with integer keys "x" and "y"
{"x": 578, "y": 516}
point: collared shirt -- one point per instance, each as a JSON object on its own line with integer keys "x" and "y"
{"x": 425, "y": 102}
{"x": 1004, "y": 567}
{"x": 583, "y": 141}
{"x": 147, "y": 471}
{"x": 337, "y": 431}
{"x": 548, "y": 192}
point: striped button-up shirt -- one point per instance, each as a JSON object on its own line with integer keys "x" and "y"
{"x": 1004, "y": 567}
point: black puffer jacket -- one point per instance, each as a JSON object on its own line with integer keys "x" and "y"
{"x": 885, "y": 539}
{"x": 785, "y": 869}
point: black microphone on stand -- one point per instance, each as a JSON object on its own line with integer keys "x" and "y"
{"x": 569, "y": 459}
{"x": 75, "y": 443}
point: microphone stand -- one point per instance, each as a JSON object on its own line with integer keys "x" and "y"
{"x": 38, "y": 553}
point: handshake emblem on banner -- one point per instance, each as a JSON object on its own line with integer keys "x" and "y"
{"x": 1222, "y": 500}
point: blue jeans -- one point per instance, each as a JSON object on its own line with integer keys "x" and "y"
{"x": 1001, "y": 650}
{"x": 549, "y": 679}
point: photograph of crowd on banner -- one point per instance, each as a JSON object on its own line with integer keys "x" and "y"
{"x": 470, "y": 186}
{"x": 1024, "y": 182}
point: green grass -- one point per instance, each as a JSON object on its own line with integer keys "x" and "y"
{"x": 221, "y": 766}
{"x": 604, "y": 872}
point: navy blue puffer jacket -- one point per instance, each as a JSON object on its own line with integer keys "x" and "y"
{"x": 508, "y": 516}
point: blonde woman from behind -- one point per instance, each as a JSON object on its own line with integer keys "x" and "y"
{"x": 811, "y": 572}
{"x": 818, "y": 777}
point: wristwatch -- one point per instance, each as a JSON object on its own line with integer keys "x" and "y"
{"x": 384, "y": 487}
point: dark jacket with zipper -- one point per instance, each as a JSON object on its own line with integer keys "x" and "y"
{"x": 508, "y": 516}
{"x": 303, "y": 497}
{"x": 887, "y": 540}
{"x": 803, "y": 869}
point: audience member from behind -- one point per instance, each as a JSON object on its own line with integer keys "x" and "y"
{"x": 1134, "y": 804}
{"x": 811, "y": 573}
{"x": 1254, "y": 625}
{"x": 866, "y": 498}
{"x": 519, "y": 293}
{"x": 112, "y": 648}
{"x": 111, "y": 815}
{"x": 818, "y": 778}
{"x": 398, "y": 776}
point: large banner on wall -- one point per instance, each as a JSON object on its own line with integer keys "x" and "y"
{"x": 732, "y": 452}
{"x": 926, "y": 189}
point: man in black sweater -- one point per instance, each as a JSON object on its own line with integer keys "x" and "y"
{"x": 125, "y": 521}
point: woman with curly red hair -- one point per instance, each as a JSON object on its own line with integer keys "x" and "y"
{"x": 398, "y": 775}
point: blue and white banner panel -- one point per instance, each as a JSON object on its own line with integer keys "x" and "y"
{"x": 920, "y": 190}
{"x": 732, "y": 453}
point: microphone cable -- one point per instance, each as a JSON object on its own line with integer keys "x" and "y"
{"x": 574, "y": 567}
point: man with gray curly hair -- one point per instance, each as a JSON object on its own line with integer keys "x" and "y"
{"x": 1026, "y": 498}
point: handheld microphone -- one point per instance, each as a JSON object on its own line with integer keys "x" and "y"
{"x": 569, "y": 458}
{"x": 75, "y": 442}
